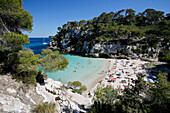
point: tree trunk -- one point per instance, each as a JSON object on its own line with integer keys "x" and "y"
{"x": 4, "y": 27}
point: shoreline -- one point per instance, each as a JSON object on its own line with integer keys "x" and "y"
{"x": 94, "y": 86}
{"x": 110, "y": 71}
{"x": 107, "y": 69}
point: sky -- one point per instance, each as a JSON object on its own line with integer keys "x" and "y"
{"x": 50, "y": 14}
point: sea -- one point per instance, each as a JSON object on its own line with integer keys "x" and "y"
{"x": 84, "y": 69}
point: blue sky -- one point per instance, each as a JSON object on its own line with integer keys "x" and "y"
{"x": 50, "y": 14}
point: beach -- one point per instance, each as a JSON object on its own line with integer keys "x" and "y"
{"x": 120, "y": 73}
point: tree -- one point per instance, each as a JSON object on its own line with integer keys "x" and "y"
{"x": 140, "y": 98}
{"x": 160, "y": 94}
{"x": 118, "y": 13}
{"x": 40, "y": 78}
{"x": 104, "y": 99}
{"x": 77, "y": 86}
{"x": 51, "y": 36}
{"x": 153, "y": 16}
{"x": 52, "y": 61}
{"x": 130, "y": 16}
{"x": 25, "y": 65}
{"x": 13, "y": 17}
{"x": 25, "y": 68}
{"x": 168, "y": 16}
{"x": 15, "y": 41}
{"x": 59, "y": 28}
{"x": 82, "y": 22}
{"x": 13, "y": 20}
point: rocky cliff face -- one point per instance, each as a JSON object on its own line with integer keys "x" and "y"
{"x": 15, "y": 97}
{"x": 145, "y": 35}
{"x": 81, "y": 43}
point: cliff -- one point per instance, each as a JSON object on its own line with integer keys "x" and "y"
{"x": 16, "y": 97}
{"x": 145, "y": 35}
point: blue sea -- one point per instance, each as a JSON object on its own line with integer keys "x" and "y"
{"x": 83, "y": 69}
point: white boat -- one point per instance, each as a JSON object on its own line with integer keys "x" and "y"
{"x": 44, "y": 43}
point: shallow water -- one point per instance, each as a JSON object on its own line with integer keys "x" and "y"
{"x": 83, "y": 69}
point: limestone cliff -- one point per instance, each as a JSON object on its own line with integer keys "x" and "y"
{"x": 112, "y": 34}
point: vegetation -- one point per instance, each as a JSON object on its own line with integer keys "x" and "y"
{"x": 23, "y": 65}
{"x": 165, "y": 58}
{"x": 52, "y": 61}
{"x": 45, "y": 108}
{"x": 149, "y": 28}
{"x": 77, "y": 86}
{"x": 13, "y": 17}
{"x": 142, "y": 97}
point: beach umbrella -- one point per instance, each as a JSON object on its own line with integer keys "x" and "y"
{"x": 113, "y": 79}
{"x": 150, "y": 80}
{"x": 153, "y": 76}
{"x": 143, "y": 71}
{"x": 154, "y": 81}
{"x": 126, "y": 86}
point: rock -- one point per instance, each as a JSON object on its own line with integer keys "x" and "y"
{"x": 11, "y": 104}
{"x": 149, "y": 49}
{"x": 57, "y": 98}
{"x": 10, "y": 90}
{"x": 134, "y": 47}
{"x": 96, "y": 54}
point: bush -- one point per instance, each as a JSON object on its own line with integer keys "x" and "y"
{"x": 40, "y": 78}
{"x": 165, "y": 58}
{"x": 45, "y": 108}
{"x": 77, "y": 86}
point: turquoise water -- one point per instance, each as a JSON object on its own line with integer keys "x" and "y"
{"x": 83, "y": 69}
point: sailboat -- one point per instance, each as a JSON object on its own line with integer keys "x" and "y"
{"x": 44, "y": 43}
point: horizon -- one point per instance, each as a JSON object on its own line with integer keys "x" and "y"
{"x": 48, "y": 15}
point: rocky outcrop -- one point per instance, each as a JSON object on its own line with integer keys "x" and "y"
{"x": 78, "y": 41}
{"x": 65, "y": 99}
{"x": 15, "y": 97}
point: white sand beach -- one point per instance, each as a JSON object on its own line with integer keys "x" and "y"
{"x": 120, "y": 73}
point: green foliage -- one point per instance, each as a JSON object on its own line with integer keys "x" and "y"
{"x": 45, "y": 108}
{"x": 165, "y": 58}
{"x": 106, "y": 94}
{"x": 140, "y": 98}
{"x": 52, "y": 61}
{"x": 15, "y": 17}
{"x": 27, "y": 61}
{"x": 160, "y": 94}
{"x": 40, "y": 78}
{"x": 25, "y": 68}
{"x": 51, "y": 36}
{"x": 24, "y": 64}
{"x": 125, "y": 26}
{"x": 77, "y": 86}
{"x": 15, "y": 41}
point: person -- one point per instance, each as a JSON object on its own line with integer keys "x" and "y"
{"x": 121, "y": 90}
{"x": 89, "y": 93}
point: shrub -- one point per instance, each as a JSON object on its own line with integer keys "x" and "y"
{"x": 45, "y": 108}
{"x": 77, "y": 86}
{"x": 165, "y": 58}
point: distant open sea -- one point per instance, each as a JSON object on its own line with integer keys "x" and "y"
{"x": 87, "y": 69}
{"x": 36, "y": 44}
